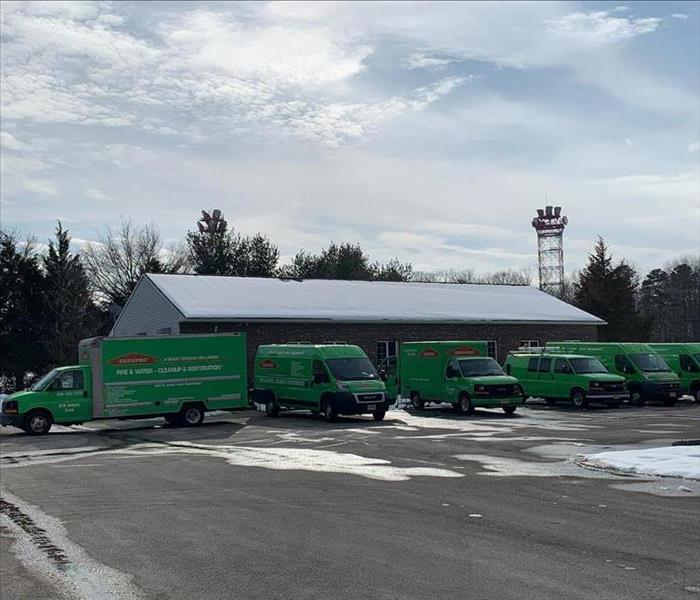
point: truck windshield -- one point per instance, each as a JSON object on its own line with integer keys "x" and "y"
{"x": 40, "y": 385}
{"x": 352, "y": 369}
{"x": 650, "y": 363}
{"x": 583, "y": 366}
{"x": 479, "y": 367}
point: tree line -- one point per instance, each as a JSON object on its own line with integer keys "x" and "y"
{"x": 53, "y": 296}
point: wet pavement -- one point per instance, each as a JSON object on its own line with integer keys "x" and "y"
{"x": 421, "y": 505}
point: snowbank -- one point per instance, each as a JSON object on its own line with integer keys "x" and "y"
{"x": 668, "y": 461}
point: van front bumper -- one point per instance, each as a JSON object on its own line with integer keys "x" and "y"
{"x": 12, "y": 420}
{"x": 660, "y": 391}
{"x": 347, "y": 403}
{"x": 491, "y": 402}
{"x": 607, "y": 396}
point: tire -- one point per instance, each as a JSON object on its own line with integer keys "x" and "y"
{"x": 696, "y": 395}
{"x": 329, "y": 411}
{"x": 416, "y": 401}
{"x": 379, "y": 415}
{"x": 464, "y": 405}
{"x": 38, "y": 422}
{"x": 272, "y": 409}
{"x": 636, "y": 398}
{"x": 578, "y": 399}
{"x": 192, "y": 415}
{"x": 509, "y": 410}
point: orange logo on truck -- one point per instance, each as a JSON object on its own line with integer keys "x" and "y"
{"x": 267, "y": 364}
{"x": 429, "y": 353}
{"x": 133, "y": 358}
{"x": 464, "y": 351}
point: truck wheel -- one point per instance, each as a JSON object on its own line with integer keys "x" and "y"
{"x": 636, "y": 398}
{"x": 330, "y": 412}
{"x": 509, "y": 410}
{"x": 272, "y": 409}
{"x": 38, "y": 422}
{"x": 578, "y": 399}
{"x": 416, "y": 401}
{"x": 379, "y": 415}
{"x": 191, "y": 416}
{"x": 464, "y": 405}
{"x": 696, "y": 395}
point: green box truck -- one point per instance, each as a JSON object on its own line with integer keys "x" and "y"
{"x": 176, "y": 377}
{"x": 334, "y": 379}
{"x": 458, "y": 372}
{"x": 648, "y": 377}
{"x": 684, "y": 360}
{"x": 573, "y": 377}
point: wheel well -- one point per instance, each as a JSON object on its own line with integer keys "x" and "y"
{"x": 34, "y": 411}
{"x": 464, "y": 393}
{"x": 575, "y": 389}
{"x": 325, "y": 398}
{"x": 198, "y": 404}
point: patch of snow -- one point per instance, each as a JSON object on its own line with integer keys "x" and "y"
{"x": 667, "y": 461}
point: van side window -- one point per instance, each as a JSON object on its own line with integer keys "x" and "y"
{"x": 70, "y": 380}
{"x": 532, "y": 365}
{"x": 623, "y": 364}
{"x": 687, "y": 363}
{"x": 545, "y": 363}
{"x": 318, "y": 368}
{"x": 452, "y": 369}
{"x": 561, "y": 365}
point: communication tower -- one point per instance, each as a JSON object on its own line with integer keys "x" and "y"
{"x": 549, "y": 225}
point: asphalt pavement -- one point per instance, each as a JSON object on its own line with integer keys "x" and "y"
{"x": 422, "y": 505}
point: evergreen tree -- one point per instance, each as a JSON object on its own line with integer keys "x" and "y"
{"x": 656, "y": 303}
{"x": 609, "y": 291}
{"x": 263, "y": 256}
{"x": 20, "y": 312}
{"x": 69, "y": 314}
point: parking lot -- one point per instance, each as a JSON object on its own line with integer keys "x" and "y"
{"x": 421, "y": 505}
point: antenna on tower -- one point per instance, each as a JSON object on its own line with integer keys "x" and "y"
{"x": 549, "y": 225}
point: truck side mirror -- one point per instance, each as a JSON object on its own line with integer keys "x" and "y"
{"x": 382, "y": 374}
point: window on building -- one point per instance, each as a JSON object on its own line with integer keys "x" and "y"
{"x": 492, "y": 349}
{"x": 532, "y": 365}
{"x": 545, "y": 363}
{"x": 529, "y": 343}
{"x": 385, "y": 350}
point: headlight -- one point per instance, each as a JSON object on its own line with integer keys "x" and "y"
{"x": 10, "y": 407}
{"x": 596, "y": 385}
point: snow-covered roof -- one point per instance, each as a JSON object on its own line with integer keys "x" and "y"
{"x": 252, "y": 298}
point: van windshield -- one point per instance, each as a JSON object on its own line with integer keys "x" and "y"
{"x": 352, "y": 369}
{"x": 583, "y": 366}
{"x": 650, "y": 363}
{"x": 479, "y": 367}
{"x": 38, "y": 386}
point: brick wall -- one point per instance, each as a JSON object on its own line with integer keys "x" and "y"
{"x": 366, "y": 335}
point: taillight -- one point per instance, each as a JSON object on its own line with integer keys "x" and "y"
{"x": 10, "y": 407}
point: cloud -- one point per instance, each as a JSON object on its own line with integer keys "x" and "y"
{"x": 10, "y": 142}
{"x": 600, "y": 27}
{"x": 693, "y": 147}
{"x": 95, "y": 194}
{"x": 424, "y": 60}
{"x": 681, "y": 16}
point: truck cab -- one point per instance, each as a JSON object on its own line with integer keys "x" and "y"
{"x": 458, "y": 372}
{"x": 333, "y": 379}
{"x": 647, "y": 375}
{"x": 684, "y": 361}
{"x": 63, "y": 395}
{"x": 576, "y": 378}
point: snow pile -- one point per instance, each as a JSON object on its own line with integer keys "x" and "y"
{"x": 667, "y": 461}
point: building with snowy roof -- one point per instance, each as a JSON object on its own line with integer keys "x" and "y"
{"x": 375, "y": 315}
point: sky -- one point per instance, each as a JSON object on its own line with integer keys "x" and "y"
{"x": 430, "y": 132}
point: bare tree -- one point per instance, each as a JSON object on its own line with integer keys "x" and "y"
{"x": 116, "y": 261}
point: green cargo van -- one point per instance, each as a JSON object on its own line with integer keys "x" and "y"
{"x": 458, "y": 372}
{"x": 176, "y": 377}
{"x": 684, "y": 360}
{"x": 573, "y": 377}
{"x": 333, "y": 379}
{"x": 648, "y": 377}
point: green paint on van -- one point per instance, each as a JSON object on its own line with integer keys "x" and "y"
{"x": 572, "y": 377}
{"x": 458, "y": 372}
{"x": 178, "y": 377}
{"x": 647, "y": 375}
{"x": 684, "y": 360}
{"x": 329, "y": 378}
